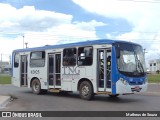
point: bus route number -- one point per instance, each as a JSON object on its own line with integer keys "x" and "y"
{"x": 34, "y": 71}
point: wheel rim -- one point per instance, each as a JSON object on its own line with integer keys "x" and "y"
{"x": 85, "y": 90}
{"x": 36, "y": 87}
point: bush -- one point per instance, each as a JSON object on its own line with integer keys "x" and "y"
{"x": 158, "y": 71}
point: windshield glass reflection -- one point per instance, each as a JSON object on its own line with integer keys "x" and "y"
{"x": 131, "y": 60}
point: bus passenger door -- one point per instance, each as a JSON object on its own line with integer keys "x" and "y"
{"x": 104, "y": 70}
{"x": 24, "y": 70}
{"x": 54, "y": 70}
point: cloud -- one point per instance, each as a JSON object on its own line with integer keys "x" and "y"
{"x": 138, "y": 14}
{"x": 29, "y": 19}
{"x": 132, "y": 11}
{"x": 8, "y": 45}
{"x": 143, "y": 16}
{"x": 89, "y": 25}
{"x": 37, "y": 39}
{"x": 40, "y": 27}
{"x": 77, "y": 31}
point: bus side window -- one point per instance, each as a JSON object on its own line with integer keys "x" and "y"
{"x": 85, "y": 56}
{"x": 37, "y": 59}
{"x": 69, "y": 56}
{"x": 16, "y": 60}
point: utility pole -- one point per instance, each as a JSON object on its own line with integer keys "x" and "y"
{"x": 1, "y": 63}
{"x": 144, "y": 50}
{"x": 26, "y": 44}
{"x": 23, "y": 41}
{"x": 10, "y": 59}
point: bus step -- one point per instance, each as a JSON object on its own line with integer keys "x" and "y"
{"x": 54, "y": 90}
{"x": 24, "y": 85}
{"x": 103, "y": 92}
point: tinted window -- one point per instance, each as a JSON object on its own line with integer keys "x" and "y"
{"x": 16, "y": 60}
{"x": 69, "y": 57}
{"x": 85, "y": 56}
{"x": 37, "y": 59}
{"x": 38, "y": 55}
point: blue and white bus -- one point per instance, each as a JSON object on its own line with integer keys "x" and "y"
{"x": 91, "y": 67}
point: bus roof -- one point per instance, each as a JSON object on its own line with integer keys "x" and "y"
{"x": 84, "y": 43}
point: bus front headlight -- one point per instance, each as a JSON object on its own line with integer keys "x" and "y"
{"x": 125, "y": 82}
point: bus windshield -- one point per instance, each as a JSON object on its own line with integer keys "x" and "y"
{"x": 130, "y": 60}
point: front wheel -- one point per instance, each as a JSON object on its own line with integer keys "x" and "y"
{"x": 36, "y": 87}
{"x": 86, "y": 90}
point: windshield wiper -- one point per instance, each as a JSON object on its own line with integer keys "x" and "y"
{"x": 140, "y": 66}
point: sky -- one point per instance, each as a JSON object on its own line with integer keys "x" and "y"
{"x": 50, "y": 22}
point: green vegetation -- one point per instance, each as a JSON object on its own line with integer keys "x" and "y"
{"x": 153, "y": 78}
{"x": 5, "y": 79}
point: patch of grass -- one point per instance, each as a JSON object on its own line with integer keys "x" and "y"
{"x": 153, "y": 78}
{"x": 5, "y": 79}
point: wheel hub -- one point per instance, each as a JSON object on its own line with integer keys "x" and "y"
{"x": 36, "y": 86}
{"x": 85, "y": 91}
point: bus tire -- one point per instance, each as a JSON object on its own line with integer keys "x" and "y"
{"x": 113, "y": 96}
{"x": 36, "y": 87}
{"x": 86, "y": 90}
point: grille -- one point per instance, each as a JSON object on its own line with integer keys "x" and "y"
{"x": 135, "y": 83}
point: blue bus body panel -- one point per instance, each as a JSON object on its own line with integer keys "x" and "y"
{"x": 134, "y": 80}
{"x": 85, "y": 43}
{"x": 114, "y": 72}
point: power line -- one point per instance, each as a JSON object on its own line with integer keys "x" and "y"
{"x": 143, "y": 1}
{"x": 21, "y": 2}
{"x": 122, "y": 31}
{"x": 38, "y": 36}
{"x": 53, "y": 36}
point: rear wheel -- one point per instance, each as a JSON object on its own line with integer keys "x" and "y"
{"x": 36, "y": 87}
{"x": 86, "y": 90}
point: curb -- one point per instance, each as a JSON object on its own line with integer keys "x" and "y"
{"x": 150, "y": 93}
{"x": 4, "y": 100}
{"x": 153, "y": 83}
{"x": 5, "y": 84}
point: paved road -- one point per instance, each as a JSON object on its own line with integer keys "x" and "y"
{"x": 26, "y": 101}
